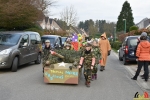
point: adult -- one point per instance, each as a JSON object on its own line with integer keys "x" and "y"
{"x": 105, "y": 49}
{"x": 143, "y": 54}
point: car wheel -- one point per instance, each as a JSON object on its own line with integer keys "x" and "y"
{"x": 124, "y": 61}
{"x": 120, "y": 57}
{"x": 38, "y": 61}
{"x": 14, "y": 65}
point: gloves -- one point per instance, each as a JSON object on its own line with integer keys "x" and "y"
{"x": 109, "y": 52}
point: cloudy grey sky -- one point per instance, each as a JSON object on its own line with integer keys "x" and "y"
{"x": 102, "y": 9}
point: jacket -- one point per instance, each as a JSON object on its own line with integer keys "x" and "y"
{"x": 143, "y": 51}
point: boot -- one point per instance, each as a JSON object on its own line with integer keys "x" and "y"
{"x": 101, "y": 69}
{"x": 88, "y": 84}
{"x": 134, "y": 78}
{"x": 95, "y": 76}
{"x": 92, "y": 77}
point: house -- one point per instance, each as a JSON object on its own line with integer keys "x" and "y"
{"x": 143, "y": 23}
{"x": 49, "y": 24}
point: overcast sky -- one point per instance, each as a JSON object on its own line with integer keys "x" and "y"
{"x": 102, "y": 9}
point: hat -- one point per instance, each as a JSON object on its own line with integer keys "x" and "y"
{"x": 144, "y": 34}
{"x": 67, "y": 44}
{"x": 88, "y": 45}
{"x": 47, "y": 41}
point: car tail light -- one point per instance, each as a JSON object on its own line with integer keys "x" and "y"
{"x": 126, "y": 49}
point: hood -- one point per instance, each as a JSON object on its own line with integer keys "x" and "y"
{"x": 3, "y": 47}
{"x": 104, "y": 35}
{"x": 145, "y": 44}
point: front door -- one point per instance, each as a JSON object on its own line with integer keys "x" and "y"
{"x": 24, "y": 50}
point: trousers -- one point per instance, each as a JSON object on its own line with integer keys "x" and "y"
{"x": 87, "y": 74}
{"x": 146, "y": 70}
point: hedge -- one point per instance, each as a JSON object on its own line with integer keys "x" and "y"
{"x": 115, "y": 45}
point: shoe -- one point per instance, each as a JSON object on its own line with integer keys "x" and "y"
{"x": 88, "y": 84}
{"x": 101, "y": 69}
{"x": 95, "y": 76}
{"x": 142, "y": 76}
{"x": 146, "y": 80}
{"x": 134, "y": 78}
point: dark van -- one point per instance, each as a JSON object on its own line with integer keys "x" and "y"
{"x": 127, "y": 49}
{"x": 18, "y": 48}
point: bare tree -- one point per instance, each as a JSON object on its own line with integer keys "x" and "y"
{"x": 42, "y": 5}
{"x": 69, "y": 15}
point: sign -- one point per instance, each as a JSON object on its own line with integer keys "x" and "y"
{"x": 145, "y": 96}
{"x": 61, "y": 73}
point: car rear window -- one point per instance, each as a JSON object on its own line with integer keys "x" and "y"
{"x": 133, "y": 42}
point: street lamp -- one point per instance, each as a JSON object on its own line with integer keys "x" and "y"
{"x": 115, "y": 33}
{"x": 124, "y": 25}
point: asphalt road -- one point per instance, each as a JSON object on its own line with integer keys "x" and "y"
{"x": 27, "y": 84}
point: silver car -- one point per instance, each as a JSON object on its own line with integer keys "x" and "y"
{"x": 18, "y": 48}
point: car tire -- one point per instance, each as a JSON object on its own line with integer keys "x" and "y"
{"x": 120, "y": 58}
{"x": 38, "y": 61}
{"x": 14, "y": 65}
{"x": 124, "y": 61}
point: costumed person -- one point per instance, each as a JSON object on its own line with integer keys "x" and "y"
{"x": 97, "y": 53}
{"x": 88, "y": 61}
{"x": 67, "y": 46}
{"x": 143, "y": 54}
{"x": 105, "y": 49}
{"x": 46, "y": 52}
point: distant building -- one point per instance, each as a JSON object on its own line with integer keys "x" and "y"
{"x": 143, "y": 23}
{"x": 49, "y": 24}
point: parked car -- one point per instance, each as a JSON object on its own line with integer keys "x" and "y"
{"x": 63, "y": 40}
{"x": 127, "y": 49}
{"x": 18, "y": 48}
{"x": 55, "y": 41}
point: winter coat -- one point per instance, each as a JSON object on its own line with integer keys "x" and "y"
{"x": 143, "y": 51}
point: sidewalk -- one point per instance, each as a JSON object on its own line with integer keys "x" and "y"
{"x": 132, "y": 69}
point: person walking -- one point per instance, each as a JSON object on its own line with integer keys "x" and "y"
{"x": 105, "y": 49}
{"x": 88, "y": 61}
{"x": 97, "y": 53}
{"x": 143, "y": 54}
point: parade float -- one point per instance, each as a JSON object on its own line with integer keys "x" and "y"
{"x": 62, "y": 65}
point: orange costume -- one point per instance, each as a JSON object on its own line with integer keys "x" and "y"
{"x": 104, "y": 46}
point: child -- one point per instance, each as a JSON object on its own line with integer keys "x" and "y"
{"x": 97, "y": 54}
{"x": 88, "y": 61}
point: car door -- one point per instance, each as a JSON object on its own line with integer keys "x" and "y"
{"x": 24, "y": 49}
{"x": 33, "y": 47}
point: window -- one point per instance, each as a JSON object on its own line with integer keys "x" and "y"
{"x": 9, "y": 39}
{"x": 133, "y": 42}
{"x": 38, "y": 38}
{"x": 33, "y": 38}
{"x": 25, "y": 40}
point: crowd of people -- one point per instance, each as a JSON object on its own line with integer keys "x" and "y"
{"x": 94, "y": 53}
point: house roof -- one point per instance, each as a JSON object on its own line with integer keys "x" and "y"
{"x": 145, "y": 22}
{"x": 77, "y": 30}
